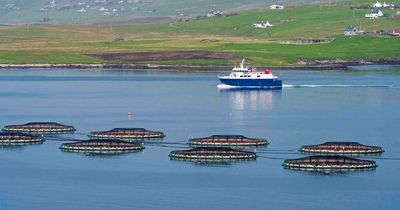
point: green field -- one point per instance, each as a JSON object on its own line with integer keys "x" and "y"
{"x": 233, "y": 34}
{"x": 29, "y": 10}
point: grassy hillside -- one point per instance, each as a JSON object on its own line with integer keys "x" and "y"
{"x": 65, "y": 11}
{"x": 311, "y": 21}
{"x": 232, "y": 34}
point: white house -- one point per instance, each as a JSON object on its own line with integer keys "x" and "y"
{"x": 83, "y": 10}
{"x": 103, "y": 9}
{"x": 396, "y": 32}
{"x": 215, "y": 13}
{"x": 350, "y": 31}
{"x": 388, "y": 5}
{"x": 262, "y": 24}
{"x": 374, "y": 14}
{"x": 377, "y": 5}
{"x": 275, "y": 7}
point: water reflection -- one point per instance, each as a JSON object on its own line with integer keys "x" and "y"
{"x": 17, "y": 146}
{"x": 101, "y": 154}
{"x": 212, "y": 162}
{"x": 251, "y": 99}
{"x": 329, "y": 171}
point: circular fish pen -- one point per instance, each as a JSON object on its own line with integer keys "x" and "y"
{"x": 227, "y": 141}
{"x": 221, "y": 154}
{"x": 127, "y": 134}
{"x": 329, "y": 163}
{"x": 40, "y": 127}
{"x": 346, "y": 148}
{"x": 102, "y": 146}
{"x": 19, "y": 139}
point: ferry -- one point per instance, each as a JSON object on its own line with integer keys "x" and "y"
{"x": 245, "y": 76}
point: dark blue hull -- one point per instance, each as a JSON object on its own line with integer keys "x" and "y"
{"x": 265, "y": 83}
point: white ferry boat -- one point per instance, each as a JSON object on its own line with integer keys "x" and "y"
{"x": 245, "y": 76}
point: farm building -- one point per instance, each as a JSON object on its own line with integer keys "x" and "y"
{"x": 262, "y": 24}
{"x": 215, "y": 13}
{"x": 276, "y": 7}
{"x": 388, "y": 5}
{"x": 395, "y": 32}
{"x": 377, "y": 5}
{"x": 350, "y": 31}
{"x": 374, "y": 14}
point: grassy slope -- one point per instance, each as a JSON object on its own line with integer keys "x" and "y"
{"x": 69, "y": 44}
{"x": 30, "y": 9}
{"x": 307, "y": 21}
{"x": 342, "y": 48}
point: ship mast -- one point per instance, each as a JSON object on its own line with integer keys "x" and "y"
{"x": 242, "y": 63}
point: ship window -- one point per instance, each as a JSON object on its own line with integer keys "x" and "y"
{"x": 241, "y": 75}
{"x": 258, "y": 75}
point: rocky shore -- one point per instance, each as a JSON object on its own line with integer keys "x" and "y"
{"x": 161, "y": 67}
{"x": 302, "y": 65}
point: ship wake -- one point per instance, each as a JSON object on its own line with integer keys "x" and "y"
{"x": 337, "y": 86}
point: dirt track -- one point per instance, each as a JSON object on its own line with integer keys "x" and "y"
{"x": 163, "y": 56}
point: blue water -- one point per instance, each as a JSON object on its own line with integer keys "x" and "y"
{"x": 360, "y": 105}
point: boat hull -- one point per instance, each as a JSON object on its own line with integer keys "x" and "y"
{"x": 265, "y": 83}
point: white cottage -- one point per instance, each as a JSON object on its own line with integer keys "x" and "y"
{"x": 262, "y": 24}
{"x": 276, "y": 7}
{"x": 350, "y": 31}
{"x": 388, "y": 5}
{"x": 377, "y": 5}
{"x": 83, "y": 10}
{"x": 374, "y": 14}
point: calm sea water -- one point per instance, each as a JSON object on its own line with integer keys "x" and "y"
{"x": 314, "y": 107}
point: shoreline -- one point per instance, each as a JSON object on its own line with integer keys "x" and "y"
{"x": 326, "y": 66}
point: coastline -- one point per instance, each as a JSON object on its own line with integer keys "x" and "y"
{"x": 163, "y": 67}
{"x": 303, "y": 66}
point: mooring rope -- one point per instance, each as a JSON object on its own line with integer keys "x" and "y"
{"x": 166, "y": 143}
{"x": 367, "y": 157}
{"x": 62, "y": 139}
{"x": 176, "y": 147}
{"x": 85, "y": 134}
{"x": 279, "y": 153}
{"x": 380, "y": 158}
{"x": 278, "y": 150}
{"x": 273, "y": 158}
